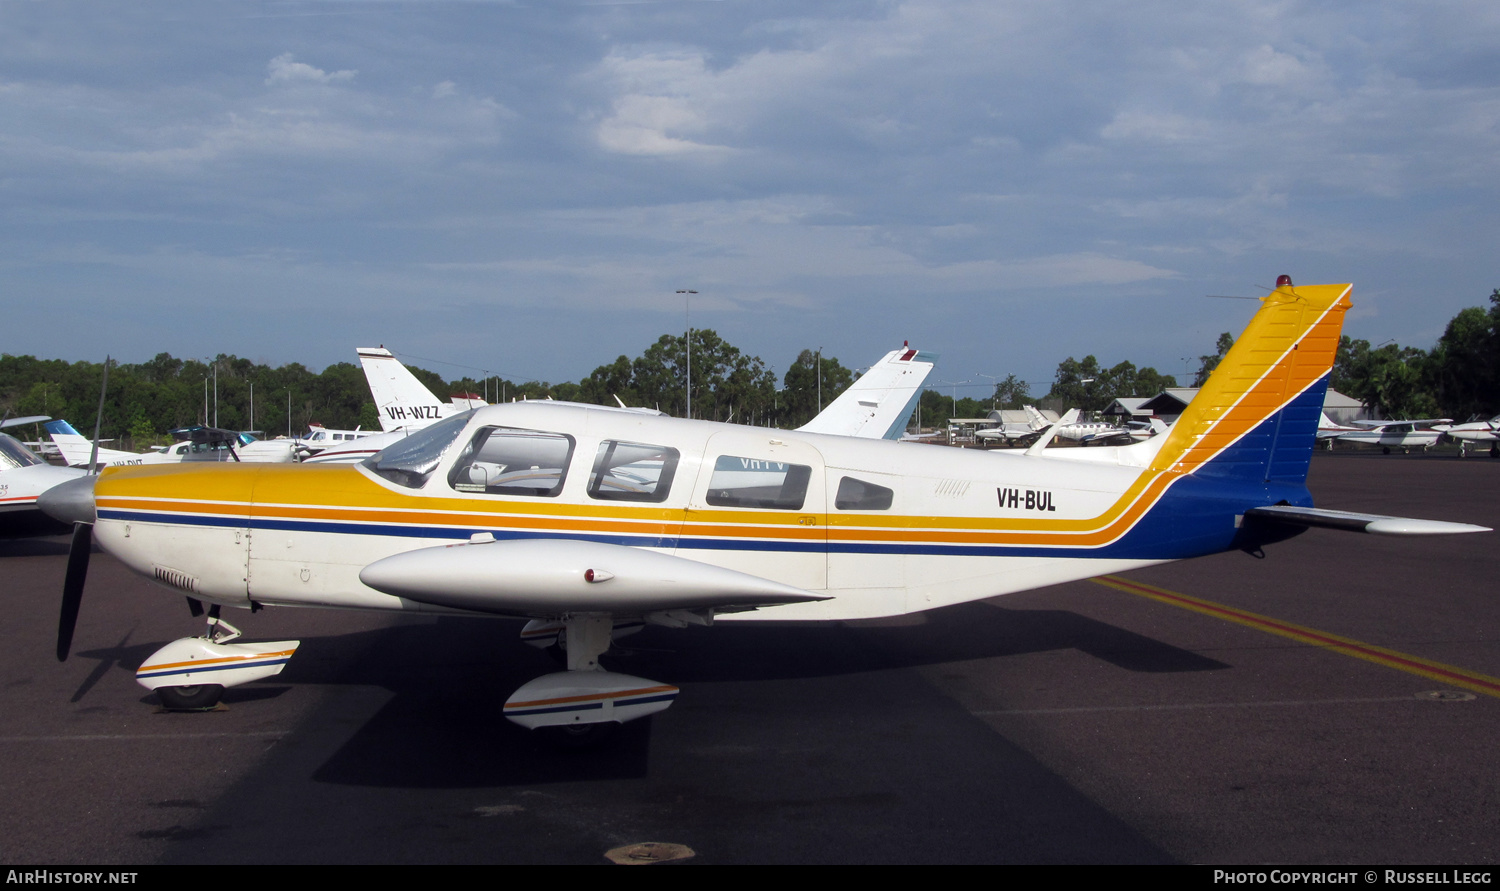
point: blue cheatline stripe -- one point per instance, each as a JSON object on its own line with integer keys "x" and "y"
{"x": 195, "y": 670}
{"x": 660, "y": 697}
{"x": 684, "y": 543}
{"x": 580, "y": 707}
{"x": 592, "y": 706}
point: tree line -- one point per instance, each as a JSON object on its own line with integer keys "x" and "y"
{"x": 147, "y": 399}
{"x": 1458, "y": 378}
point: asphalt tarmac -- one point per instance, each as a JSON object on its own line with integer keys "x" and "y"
{"x": 1336, "y": 702}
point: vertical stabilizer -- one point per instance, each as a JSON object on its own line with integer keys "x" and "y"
{"x": 400, "y": 399}
{"x": 77, "y": 449}
{"x": 1256, "y": 418}
{"x": 878, "y": 405}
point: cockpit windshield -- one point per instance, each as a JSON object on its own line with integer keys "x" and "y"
{"x": 411, "y": 461}
{"x": 13, "y": 454}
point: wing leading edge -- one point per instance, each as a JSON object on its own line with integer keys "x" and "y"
{"x": 549, "y": 577}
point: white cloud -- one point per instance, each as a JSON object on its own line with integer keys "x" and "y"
{"x": 283, "y": 70}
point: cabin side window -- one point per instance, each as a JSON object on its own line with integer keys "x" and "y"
{"x": 857, "y": 494}
{"x": 755, "y": 482}
{"x": 632, "y": 471}
{"x": 513, "y": 461}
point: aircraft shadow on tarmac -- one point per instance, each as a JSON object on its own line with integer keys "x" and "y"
{"x": 443, "y": 726}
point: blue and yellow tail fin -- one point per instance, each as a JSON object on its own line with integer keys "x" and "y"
{"x": 1256, "y": 418}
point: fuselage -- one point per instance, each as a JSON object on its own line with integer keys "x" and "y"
{"x": 884, "y": 527}
{"x": 1474, "y": 431}
{"x": 1394, "y": 436}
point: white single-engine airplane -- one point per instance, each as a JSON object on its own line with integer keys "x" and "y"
{"x": 589, "y": 518}
{"x": 1474, "y": 431}
{"x": 195, "y": 444}
{"x": 1403, "y": 435}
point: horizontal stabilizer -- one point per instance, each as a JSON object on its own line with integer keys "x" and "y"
{"x": 1349, "y": 521}
{"x": 29, "y": 419}
{"x": 555, "y": 576}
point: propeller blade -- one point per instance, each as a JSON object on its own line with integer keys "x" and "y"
{"x": 78, "y": 570}
{"x": 99, "y": 420}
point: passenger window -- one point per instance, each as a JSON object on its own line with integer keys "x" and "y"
{"x": 511, "y": 461}
{"x": 753, "y": 482}
{"x": 632, "y": 471}
{"x": 856, "y": 494}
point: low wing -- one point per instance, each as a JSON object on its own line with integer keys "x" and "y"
{"x": 553, "y": 577}
{"x": 1419, "y": 422}
{"x": 1349, "y": 521}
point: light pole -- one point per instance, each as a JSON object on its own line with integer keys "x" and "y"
{"x": 956, "y": 385}
{"x": 687, "y": 297}
{"x": 993, "y": 395}
{"x": 819, "y": 366}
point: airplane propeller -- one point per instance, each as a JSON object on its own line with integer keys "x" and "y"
{"x": 78, "y": 569}
{"x": 73, "y": 502}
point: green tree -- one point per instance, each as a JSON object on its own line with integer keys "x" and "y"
{"x": 810, "y": 384}
{"x": 1207, "y": 364}
{"x": 1011, "y": 393}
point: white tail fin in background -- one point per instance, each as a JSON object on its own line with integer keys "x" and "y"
{"x": 878, "y": 405}
{"x": 76, "y": 448}
{"x": 401, "y": 400}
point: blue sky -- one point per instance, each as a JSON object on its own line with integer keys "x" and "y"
{"x": 523, "y": 187}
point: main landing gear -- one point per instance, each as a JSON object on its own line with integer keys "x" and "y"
{"x": 582, "y": 706}
{"x": 190, "y": 674}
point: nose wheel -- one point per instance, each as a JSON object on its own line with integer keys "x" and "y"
{"x": 191, "y": 674}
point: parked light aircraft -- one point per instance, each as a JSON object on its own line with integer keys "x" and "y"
{"x": 319, "y": 438}
{"x": 1085, "y": 432}
{"x": 1403, "y": 435}
{"x": 1133, "y": 431}
{"x": 1474, "y": 431}
{"x": 591, "y": 517}
{"x": 1011, "y": 434}
{"x": 194, "y": 444}
{"x": 402, "y": 401}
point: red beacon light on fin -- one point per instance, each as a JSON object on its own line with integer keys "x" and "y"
{"x": 1283, "y": 281}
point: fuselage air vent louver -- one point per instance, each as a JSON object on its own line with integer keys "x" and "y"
{"x": 174, "y": 579}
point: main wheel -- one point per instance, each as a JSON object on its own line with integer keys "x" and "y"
{"x": 1385, "y": 450}
{"x": 198, "y": 697}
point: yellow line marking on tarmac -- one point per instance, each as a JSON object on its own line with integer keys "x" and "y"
{"x": 1437, "y": 671}
{"x": 1084, "y": 709}
{"x": 114, "y": 737}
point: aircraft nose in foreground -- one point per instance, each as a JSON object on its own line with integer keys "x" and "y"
{"x": 70, "y": 502}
